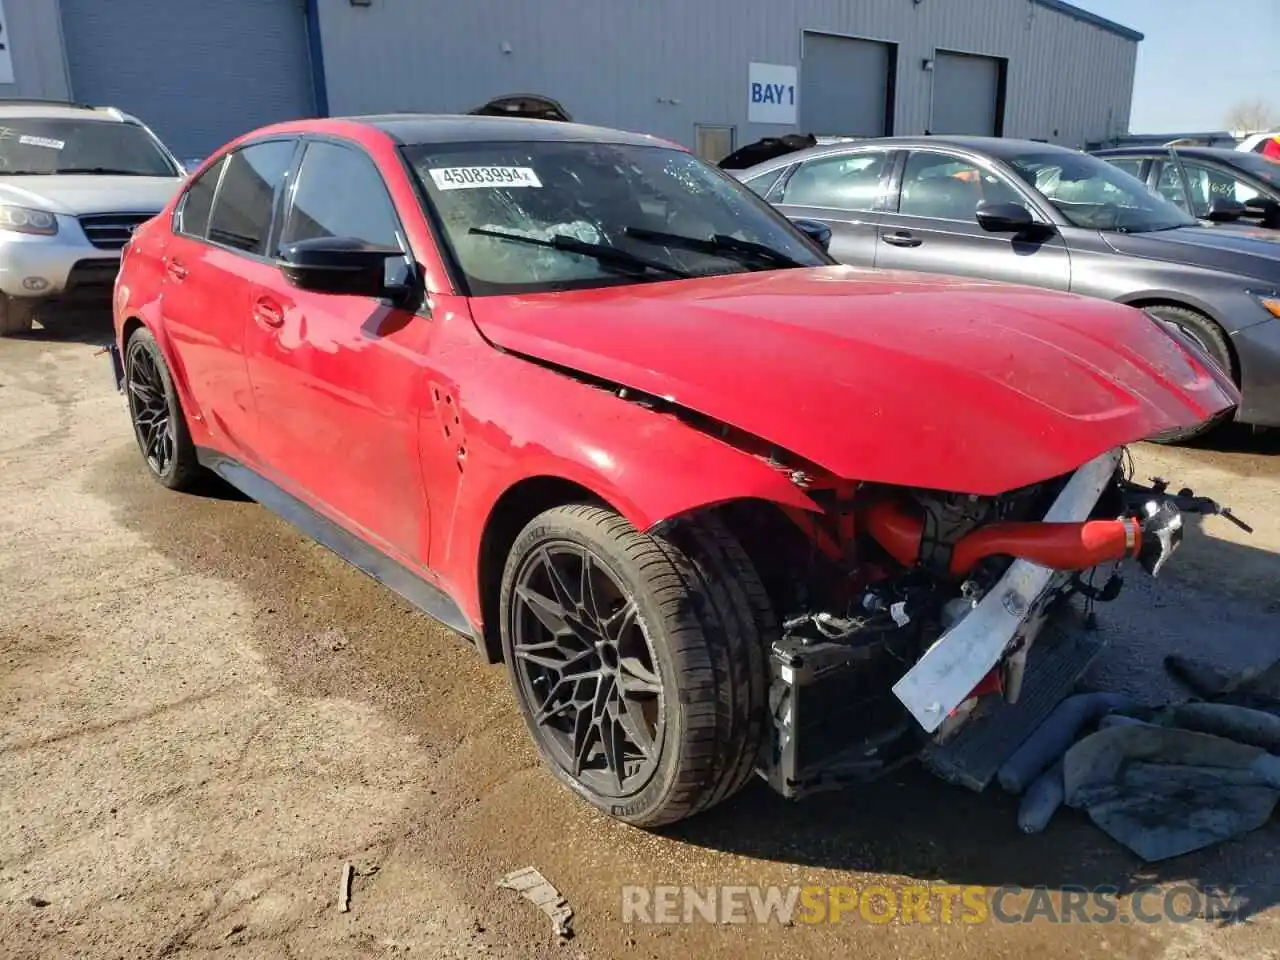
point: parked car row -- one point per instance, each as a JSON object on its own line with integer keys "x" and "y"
{"x": 722, "y": 505}
{"x": 1032, "y": 213}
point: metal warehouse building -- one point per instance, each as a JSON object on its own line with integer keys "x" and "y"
{"x": 712, "y": 74}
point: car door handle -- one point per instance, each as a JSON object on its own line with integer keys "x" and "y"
{"x": 175, "y": 269}
{"x": 901, "y": 239}
{"x": 267, "y": 313}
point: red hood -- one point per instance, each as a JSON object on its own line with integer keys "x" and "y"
{"x": 893, "y": 377}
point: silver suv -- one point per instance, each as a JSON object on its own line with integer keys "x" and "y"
{"x": 75, "y": 182}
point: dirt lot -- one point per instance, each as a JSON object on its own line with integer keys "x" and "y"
{"x": 205, "y": 716}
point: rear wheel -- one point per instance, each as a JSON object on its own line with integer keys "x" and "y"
{"x": 16, "y": 316}
{"x": 638, "y": 659}
{"x": 156, "y": 412}
{"x": 1211, "y": 339}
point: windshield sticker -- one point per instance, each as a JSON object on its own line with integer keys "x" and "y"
{"x": 42, "y": 142}
{"x": 466, "y": 178}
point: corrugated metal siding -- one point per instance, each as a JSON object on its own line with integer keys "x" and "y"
{"x": 663, "y": 66}
{"x": 35, "y": 45}
{"x": 197, "y": 72}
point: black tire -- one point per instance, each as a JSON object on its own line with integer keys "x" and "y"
{"x": 1213, "y": 341}
{"x": 159, "y": 425}
{"x": 704, "y": 619}
{"x": 16, "y": 316}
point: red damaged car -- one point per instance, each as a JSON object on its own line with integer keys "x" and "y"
{"x": 722, "y": 506}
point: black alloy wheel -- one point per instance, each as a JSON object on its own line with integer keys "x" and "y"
{"x": 583, "y": 661}
{"x": 156, "y": 414}
{"x": 638, "y": 659}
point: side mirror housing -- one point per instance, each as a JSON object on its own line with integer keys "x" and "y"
{"x": 1003, "y": 217}
{"x": 1222, "y": 210}
{"x": 343, "y": 265}
{"x": 815, "y": 230}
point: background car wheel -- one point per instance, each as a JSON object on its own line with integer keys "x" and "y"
{"x": 158, "y": 421}
{"x": 638, "y": 659}
{"x": 1209, "y": 336}
{"x": 16, "y": 316}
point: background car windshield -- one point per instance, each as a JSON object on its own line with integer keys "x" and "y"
{"x": 1092, "y": 193}
{"x": 592, "y": 192}
{"x": 50, "y": 146}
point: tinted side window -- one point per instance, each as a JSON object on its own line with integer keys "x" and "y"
{"x": 1211, "y": 183}
{"x": 1169, "y": 185}
{"x": 242, "y": 216}
{"x": 1130, "y": 165}
{"x": 193, "y": 215}
{"x": 761, "y": 182}
{"x": 946, "y": 188}
{"x": 340, "y": 194}
{"x": 843, "y": 182}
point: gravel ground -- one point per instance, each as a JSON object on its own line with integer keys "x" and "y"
{"x": 206, "y": 716}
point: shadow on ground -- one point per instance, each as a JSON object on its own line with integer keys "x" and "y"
{"x": 911, "y": 825}
{"x": 67, "y": 326}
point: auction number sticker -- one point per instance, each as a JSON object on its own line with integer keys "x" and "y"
{"x": 42, "y": 142}
{"x": 467, "y": 178}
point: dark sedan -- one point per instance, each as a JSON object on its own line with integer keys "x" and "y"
{"x": 1207, "y": 182}
{"x": 1028, "y": 212}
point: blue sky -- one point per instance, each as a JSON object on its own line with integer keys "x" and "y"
{"x": 1199, "y": 57}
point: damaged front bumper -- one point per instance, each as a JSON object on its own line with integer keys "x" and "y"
{"x": 821, "y": 689}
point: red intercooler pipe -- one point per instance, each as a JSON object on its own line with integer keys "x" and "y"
{"x": 1059, "y": 546}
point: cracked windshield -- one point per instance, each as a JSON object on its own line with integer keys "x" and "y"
{"x": 527, "y": 217}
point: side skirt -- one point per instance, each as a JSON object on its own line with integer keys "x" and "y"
{"x": 427, "y": 597}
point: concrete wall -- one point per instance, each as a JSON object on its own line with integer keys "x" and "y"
{"x": 662, "y": 66}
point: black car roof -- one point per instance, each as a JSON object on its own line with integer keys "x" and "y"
{"x": 1224, "y": 154}
{"x": 413, "y": 128}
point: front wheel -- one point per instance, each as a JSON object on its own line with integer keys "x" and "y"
{"x": 638, "y": 659}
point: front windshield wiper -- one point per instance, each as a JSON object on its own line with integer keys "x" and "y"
{"x": 110, "y": 171}
{"x": 721, "y": 244}
{"x": 601, "y": 252}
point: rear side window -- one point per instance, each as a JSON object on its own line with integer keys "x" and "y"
{"x": 761, "y": 183}
{"x": 841, "y": 182}
{"x": 340, "y": 194}
{"x": 1130, "y": 165}
{"x": 193, "y": 215}
{"x": 241, "y": 216}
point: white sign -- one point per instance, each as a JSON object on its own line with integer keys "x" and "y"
{"x": 771, "y": 93}
{"x": 464, "y": 178}
{"x": 6, "y": 61}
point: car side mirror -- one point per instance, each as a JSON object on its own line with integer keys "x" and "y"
{"x": 1003, "y": 217}
{"x": 815, "y": 230}
{"x": 343, "y": 265}
{"x": 1264, "y": 209}
{"x": 1222, "y": 210}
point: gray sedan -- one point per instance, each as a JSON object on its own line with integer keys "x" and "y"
{"x": 1032, "y": 213}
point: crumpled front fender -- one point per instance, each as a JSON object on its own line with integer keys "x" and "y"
{"x": 647, "y": 465}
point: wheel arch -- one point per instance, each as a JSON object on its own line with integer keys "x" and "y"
{"x": 511, "y": 512}
{"x": 1143, "y": 301}
{"x": 532, "y": 495}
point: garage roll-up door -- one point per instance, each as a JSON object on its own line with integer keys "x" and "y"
{"x": 198, "y": 72}
{"x": 845, "y": 86}
{"x": 967, "y": 95}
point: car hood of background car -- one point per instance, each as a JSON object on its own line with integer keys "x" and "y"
{"x": 75, "y": 194}
{"x": 897, "y": 378}
{"x": 1232, "y": 248}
